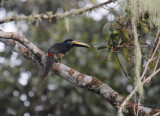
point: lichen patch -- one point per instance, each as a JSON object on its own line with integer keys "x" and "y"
{"x": 87, "y": 79}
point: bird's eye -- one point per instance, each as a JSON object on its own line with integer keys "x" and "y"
{"x": 69, "y": 42}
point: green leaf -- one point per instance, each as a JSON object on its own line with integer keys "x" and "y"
{"x": 153, "y": 63}
{"x": 142, "y": 40}
{"x": 108, "y": 39}
{"x": 125, "y": 51}
{"x": 101, "y": 45}
{"x": 67, "y": 24}
{"x": 123, "y": 38}
{"x": 115, "y": 35}
{"x": 108, "y": 47}
{"x": 107, "y": 30}
{"x": 145, "y": 29}
{"x": 101, "y": 48}
{"x": 125, "y": 33}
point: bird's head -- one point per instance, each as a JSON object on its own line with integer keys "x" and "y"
{"x": 71, "y": 43}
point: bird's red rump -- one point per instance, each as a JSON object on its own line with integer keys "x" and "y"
{"x": 50, "y": 54}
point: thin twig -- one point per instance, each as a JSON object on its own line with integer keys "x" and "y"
{"x": 150, "y": 60}
{"x": 126, "y": 100}
{"x": 151, "y": 76}
{"x": 156, "y": 65}
{"x": 154, "y": 44}
{"x": 139, "y": 103}
{"x": 122, "y": 67}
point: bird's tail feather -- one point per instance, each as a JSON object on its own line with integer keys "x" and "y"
{"x": 49, "y": 64}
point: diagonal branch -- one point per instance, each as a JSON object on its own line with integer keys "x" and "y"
{"x": 22, "y": 41}
{"x": 89, "y": 82}
{"x": 20, "y": 49}
{"x": 57, "y": 15}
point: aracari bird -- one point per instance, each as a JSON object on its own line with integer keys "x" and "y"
{"x": 60, "y": 49}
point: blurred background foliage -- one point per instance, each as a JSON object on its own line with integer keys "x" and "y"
{"x": 23, "y": 91}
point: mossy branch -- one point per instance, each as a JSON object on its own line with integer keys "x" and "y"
{"x": 50, "y": 16}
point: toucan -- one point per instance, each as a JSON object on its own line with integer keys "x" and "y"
{"x": 57, "y": 50}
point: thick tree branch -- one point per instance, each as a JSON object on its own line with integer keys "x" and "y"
{"x": 11, "y": 39}
{"x": 57, "y": 15}
{"x": 20, "y": 45}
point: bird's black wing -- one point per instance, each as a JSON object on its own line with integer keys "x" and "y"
{"x": 58, "y": 48}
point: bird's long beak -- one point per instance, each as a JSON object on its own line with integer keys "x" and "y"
{"x": 80, "y": 44}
